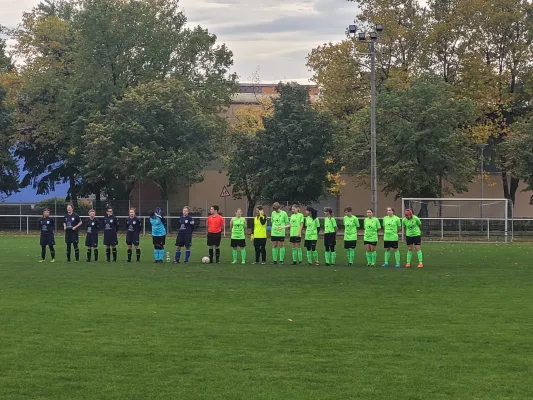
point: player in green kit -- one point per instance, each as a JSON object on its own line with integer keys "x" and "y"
{"x": 312, "y": 226}
{"x": 297, "y": 223}
{"x": 280, "y": 222}
{"x": 330, "y": 236}
{"x": 413, "y": 234}
{"x": 391, "y": 225}
{"x": 238, "y": 236}
{"x": 351, "y": 223}
{"x": 372, "y": 226}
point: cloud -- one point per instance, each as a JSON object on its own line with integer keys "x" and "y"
{"x": 271, "y": 36}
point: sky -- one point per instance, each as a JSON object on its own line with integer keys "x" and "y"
{"x": 269, "y": 38}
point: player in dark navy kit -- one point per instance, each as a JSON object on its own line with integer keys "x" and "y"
{"x": 46, "y": 227}
{"x": 91, "y": 241}
{"x": 110, "y": 235}
{"x": 71, "y": 223}
{"x": 133, "y": 233}
{"x": 184, "y": 238}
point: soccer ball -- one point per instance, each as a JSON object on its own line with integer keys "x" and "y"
{"x": 205, "y": 260}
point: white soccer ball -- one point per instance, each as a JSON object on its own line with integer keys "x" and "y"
{"x": 205, "y": 260}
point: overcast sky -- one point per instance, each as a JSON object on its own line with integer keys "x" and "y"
{"x": 272, "y": 37}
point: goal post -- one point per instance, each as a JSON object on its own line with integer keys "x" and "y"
{"x": 461, "y": 219}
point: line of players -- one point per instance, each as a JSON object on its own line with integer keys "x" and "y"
{"x": 298, "y": 224}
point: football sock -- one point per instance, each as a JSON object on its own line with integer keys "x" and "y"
{"x": 300, "y": 254}
{"x": 210, "y": 255}
{"x": 76, "y": 252}
{"x": 333, "y": 257}
{"x": 315, "y": 255}
{"x": 129, "y": 254}
{"x": 281, "y": 254}
{"x": 43, "y": 252}
{"x": 52, "y": 252}
{"x": 387, "y": 256}
{"x": 95, "y": 254}
{"x": 234, "y": 255}
{"x": 89, "y": 252}
{"x": 275, "y": 254}
{"x": 217, "y": 253}
{"x": 138, "y": 252}
{"x": 294, "y": 254}
{"x": 397, "y": 256}
{"x": 108, "y": 254}
{"x": 243, "y": 256}
{"x": 69, "y": 249}
{"x": 409, "y": 256}
{"x": 309, "y": 256}
{"x": 187, "y": 255}
{"x": 368, "y": 257}
{"x": 178, "y": 255}
{"x": 374, "y": 257}
{"x": 326, "y": 256}
{"x": 114, "y": 251}
{"x": 419, "y": 255}
{"x": 156, "y": 254}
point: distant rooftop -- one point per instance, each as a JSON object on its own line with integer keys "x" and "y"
{"x": 252, "y": 92}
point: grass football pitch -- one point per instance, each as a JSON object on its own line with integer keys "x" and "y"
{"x": 461, "y": 328}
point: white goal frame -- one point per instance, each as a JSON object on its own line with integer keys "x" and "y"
{"x": 505, "y": 218}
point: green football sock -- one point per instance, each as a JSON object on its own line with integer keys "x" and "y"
{"x": 282, "y": 254}
{"x": 368, "y": 257}
{"x": 333, "y": 257}
{"x": 294, "y": 254}
{"x": 387, "y": 256}
{"x": 349, "y": 256}
{"x": 352, "y": 254}
{"x": 243, "y": 256}
{"x": 409, "y": 255}
{"x": 234, "y": 254}
{"x": 300, "y": 255}
{"x": 309, "y": 257}
{"x": 274, "y": 254}
{"x": 419, "y": 255}
{"x": 397, "y": 256}
{"x": 326, "y": 256}
{"x": 315, "y": 255}
{"x": 374, "y": 257}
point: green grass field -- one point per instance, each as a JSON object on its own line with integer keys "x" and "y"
{"x": 461, "y": 328}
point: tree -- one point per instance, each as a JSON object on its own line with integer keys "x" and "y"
{"x": 158, "y": 130}
{"x": 296, "y": 149}
{"x": 519, "y": 153}
{"x": 243, "y": 152}
{"x": 423, "y": 148}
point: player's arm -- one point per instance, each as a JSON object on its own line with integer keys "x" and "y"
{"x": 335, "y": 225}
{"x": 117, "y": 225}
{"x": 418, "y": 222}
{"x": 301, "y": 228}
{"x": 53, "y": 224}
{"x": 97, "y": 223}
{"x": 317, "y": 224}
{"x": 287, "y": 222}
{"x": 79, "y": 223}
{"x": 64, "y": 226}
{"x": 192, "y": 225}
{"x": 231, "y": 223}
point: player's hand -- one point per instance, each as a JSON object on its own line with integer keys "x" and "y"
{"x": 73, "y": 228}
{"x": 251, "y": 237}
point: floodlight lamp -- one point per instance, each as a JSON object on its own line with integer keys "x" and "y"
{"x": 362, "y": 36}
{"x": 352, "y": 29}
{"x": 373, "y": 36}
{"x": 379, "y": 28}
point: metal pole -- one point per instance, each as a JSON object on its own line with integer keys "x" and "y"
{"x": 482, "y": 178}
{"x": 20, "y": 216}
{"x": 373, "y": 161}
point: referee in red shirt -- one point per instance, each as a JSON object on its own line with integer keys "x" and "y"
{"x": 215, "y": 226}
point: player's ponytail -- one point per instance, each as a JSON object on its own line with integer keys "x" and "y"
{"x": 314, "y": 213}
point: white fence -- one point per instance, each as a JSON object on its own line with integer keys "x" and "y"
{"x": 433, "y": 229}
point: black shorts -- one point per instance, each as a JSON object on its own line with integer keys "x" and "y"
{"x": 91, "y": 240}
{"x": 330, "y": 239}
{"x": 72, "y": 237}
{"x": 350, "y": 244}
{"x": 414, "y": 240}
{"x": 47, "y": 240}
{"x": 184, "y": 240}
{"x": 132, "y": 239}
{"x": 110, "y": 238}
{"x": 159, "y": 240}
{"x": 295, "y": 239}
{"x": 390, "y": 244}
{"x": 238, "y": 243}
{"x": 371, "y": 243}
{"x": 309, "y": 243}
{"x": 214, "y": 239}
{"x": 277, "y": 238}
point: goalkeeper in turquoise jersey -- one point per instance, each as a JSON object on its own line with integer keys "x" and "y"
{"x": 413, "y": 234}
{"x": 391, "y": 225}
{"x": 351, "y": 223}
{"x": 372, "y": 226}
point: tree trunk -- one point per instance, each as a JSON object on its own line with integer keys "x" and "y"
{"x": 510, "y": 186}
{"x": 250, "y": 211}
{"x": 73, "y": 192}
{"x": 97, "y": 200}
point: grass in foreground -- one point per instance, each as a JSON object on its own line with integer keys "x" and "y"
{"x": 458, "y": 329}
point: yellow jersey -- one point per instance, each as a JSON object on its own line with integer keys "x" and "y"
{"x": 260, "y": 227}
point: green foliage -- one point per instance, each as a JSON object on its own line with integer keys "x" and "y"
{"x": 59, "y": 204}
{"x": 423, "y": 150}
{"x": 297, "y": 152}
{"x": 158, "y": 130}
{"x": 8, "y": 166}
{"x": 518, "y": 151}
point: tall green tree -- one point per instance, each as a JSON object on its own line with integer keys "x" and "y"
{"x": 423, "y": 147}
{"x": 158, "y": 130}
{"x": 297, "y": 151}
